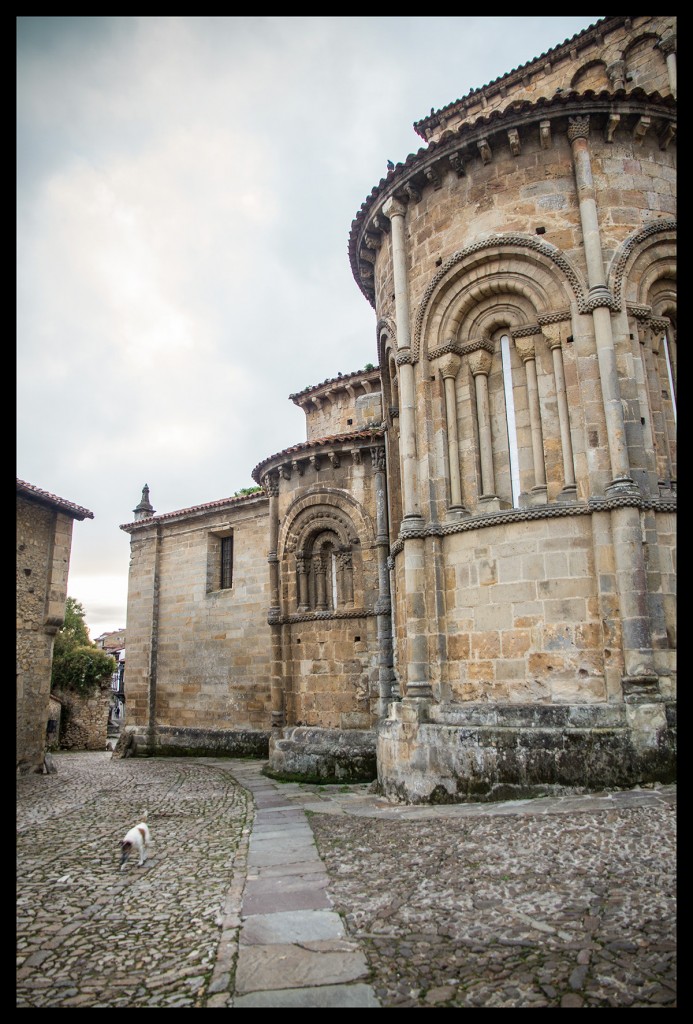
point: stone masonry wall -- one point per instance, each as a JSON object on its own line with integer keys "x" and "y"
{"x": 44, "y": 539}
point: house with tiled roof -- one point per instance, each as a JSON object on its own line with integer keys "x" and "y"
{"x": 462, "y": 582}
{"x": 44, "y": 544}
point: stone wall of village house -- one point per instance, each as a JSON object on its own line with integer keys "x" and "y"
{"x": 593, "y": 62}
{"x": 44, "y": 540}
{"x": 84, "y": 720}
{"x": 210, "y": 657}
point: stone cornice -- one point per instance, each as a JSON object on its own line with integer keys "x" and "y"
{"x": 519, "y": 515}
{"x": 310, "y": 452}
{"x": 409, "y": 178}
{"x": 339, "y": 613}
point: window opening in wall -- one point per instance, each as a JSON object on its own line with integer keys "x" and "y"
{"x": 510, "y": 418}
{"x": 333, "y": 566}
{"x": 670, "y": 376}
{"x": 226, "y": 562}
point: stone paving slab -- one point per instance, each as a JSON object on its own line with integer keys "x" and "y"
{"x": 293, "y": 926}
{"x": 347, "y": 996}
{"x": 289, "y": 965}
{"x": 309, "y": 892}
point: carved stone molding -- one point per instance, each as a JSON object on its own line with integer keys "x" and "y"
{"x": 525, "y": 332}
{"x": 599, "y": 296}
{"x": 639, "y": 312}
{"x": 497, "y": 241}
{"x": 553, "y": 318}
{"x": 517, "y": 515}
{"x": 404, "y": 356}
{"x": 459, "y": 349}
{"x": 656, "y": 227}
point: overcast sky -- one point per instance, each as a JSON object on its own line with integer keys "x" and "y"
{"x": 185, "y": 192}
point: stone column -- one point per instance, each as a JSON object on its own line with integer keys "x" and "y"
{"x": 302, "y": 573}
{"x": 418, "y": 684}
{"x": 631, "y": 577}
{"x": 407, "y": 388}
{"x": 320, "y": 569}
{"x": 668, "y": 48}
{"x": 347, "y": 573}
{"x": 599, "y": 301}
{"x": 656, "y": 334}
{"x": 525, "y": 349}
{"x": 449, "y": 370}
{"x": 271, "y": 485}
{"x": 552, "y": 334}
{"x": 383, "y": 608}
{"x": 480, "y": 365}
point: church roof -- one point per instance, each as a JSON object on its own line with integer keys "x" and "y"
{"x": 45, "y": 498}
{"x": 192, "y": 510}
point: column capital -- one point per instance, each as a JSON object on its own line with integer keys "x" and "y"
{"x": 578, "y": 128}
{"x": 552, "y": 333}
{"x": 449, "y": 365}
{"x": 393, "y": 208}
{"x": 668, "y": 44}
{"x": 525, "y": 349}
{"x": 271, "y": 484}
{"x": 480, "y": 362}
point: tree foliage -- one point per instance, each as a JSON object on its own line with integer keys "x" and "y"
{"x": 78, "y": 664}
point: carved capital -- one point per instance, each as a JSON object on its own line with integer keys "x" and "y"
{"x": 378, "y": 459}
{"x": 271, "y": 484}
{"x": 393, "y": 208}
{"x": 617, "y": 74}
{"x": 404, "y": 357}
{"x": 578, "y": 128}
{"x": 450, "y": 365}
{"x": 525, "y": 349}
{"x": 599, "y": 296}
{"x": 668, "y": 44}
{"x": 552, "y": 333}
{"x": 480, "y": 362}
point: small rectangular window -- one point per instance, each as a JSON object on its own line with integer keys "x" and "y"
{"x": 226, "y": 562}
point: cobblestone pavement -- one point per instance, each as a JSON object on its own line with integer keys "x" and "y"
{"x": 567, "y": 903}
{"x": 91, "y": 935}
{"x": 515, "y": 910}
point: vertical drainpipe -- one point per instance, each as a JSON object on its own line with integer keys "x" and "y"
{"x": 271, "y": 485}
{"x": 417, "y": 681}
{"x": 630, "y": 571}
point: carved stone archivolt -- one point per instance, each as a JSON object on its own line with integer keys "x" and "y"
{"x": 630, "y": 246}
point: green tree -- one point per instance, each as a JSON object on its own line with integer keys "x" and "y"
{"x": 78, "y": 664}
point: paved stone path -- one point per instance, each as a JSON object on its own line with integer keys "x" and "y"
{"x": 555, "y": 902}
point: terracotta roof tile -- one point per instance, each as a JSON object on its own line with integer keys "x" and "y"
{"x": 76, "y": 511}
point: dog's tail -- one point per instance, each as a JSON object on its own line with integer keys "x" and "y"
{"x": 144, "y": 816}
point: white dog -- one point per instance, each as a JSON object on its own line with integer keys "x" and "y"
{"x": 138, "y": 838}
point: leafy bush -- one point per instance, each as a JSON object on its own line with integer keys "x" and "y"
{"x": 82, "y": 669}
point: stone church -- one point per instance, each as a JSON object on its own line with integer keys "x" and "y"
{"x": 463, "y": 580}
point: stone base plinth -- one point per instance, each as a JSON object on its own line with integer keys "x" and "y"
{"x": 322, "y": 755}
{"x": 454, "y": 753}
{"x": 171, "y": 742}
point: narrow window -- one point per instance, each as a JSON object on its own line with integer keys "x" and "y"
{"x": 670, "y": 375}
{"x": 226, "y": 562}
{"x": 510, "y": 418}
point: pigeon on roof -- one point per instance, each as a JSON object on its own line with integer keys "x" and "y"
{"x": 390, "y": 165}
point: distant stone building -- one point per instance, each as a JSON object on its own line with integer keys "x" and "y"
{"x": 464, "y": 579}
{"x": 44, "y": 544}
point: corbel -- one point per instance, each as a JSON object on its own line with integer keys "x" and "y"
{"x": 514, "y": 140}
{"x": 485, "y": 151}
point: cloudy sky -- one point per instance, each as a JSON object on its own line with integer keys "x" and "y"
{"x": 185, "y": 192}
